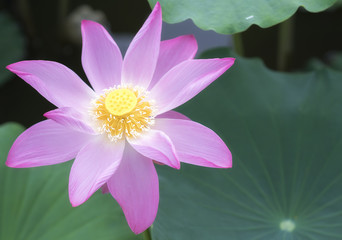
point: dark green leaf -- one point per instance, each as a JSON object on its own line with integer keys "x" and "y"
{"x": 285, "y": 133}
{"x": 231, "y": 16}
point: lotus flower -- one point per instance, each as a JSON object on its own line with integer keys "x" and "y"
{"x": 117, "y": 129}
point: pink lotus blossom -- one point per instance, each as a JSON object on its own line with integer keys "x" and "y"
{"x": 117, "y": 129}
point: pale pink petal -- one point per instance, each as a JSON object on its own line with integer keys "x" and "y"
{"x": 135, "y": 186}
{"x": 142, "y": 54}
{"x": 45, "y": 143}
{"x": 157, "y": 146}
{"x": 101, "y": 57}
{"x": 195, "y": 143}
{"x": 173, "y": 52}
{"x": 70, "y": 118}
{"x": 55, "y": 82}
{"x": 186, "y": 80}
{"x": 173, "y": 115}
{"x": 93, "y": 166}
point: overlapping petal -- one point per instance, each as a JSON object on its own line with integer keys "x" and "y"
{"x": 45, "y": 143}
{"x": 195, "y": 143}
{"x": 54, "y": 81}
{"x": 94, "y": 165}
{"x": 173, "y": 52}
{"x": 101, "y": 57}
{"x": 186, "y": 80}
{"x": 156, "y": 145}
{"x": 142, "y": 54}
{"x": 70, "y": 118}
{"x": 173, "y": 115}
{"x": 135, "y": 186}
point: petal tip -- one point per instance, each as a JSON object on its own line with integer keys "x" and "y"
{"x": 157, "y": 5}
{"x": 20, "y": 68}
{"x": 47, "y": 114}
{"x": 139, "y": 228}
{"x": 12, "y": 67}
{"x": 229, "y": 163}
{"x": 86, "y": 21}
{"x": 84, "y": 24}
{"x": 137, "y": 231}
{"x": 190, "y": 36}
{"x": 228, "y": 62}
{"x": 74, "y": 202}
{"x": 157, "y": 9}
{"x": 192, "y": 39}
{"x": 14, "y": 164}
{"x": 10, "y": 164}
{"x": 9, "y": 67}
{"x": 178, "y": 166}
{"x": 227, "y": 59}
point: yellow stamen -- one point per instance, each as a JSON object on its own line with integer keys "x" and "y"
{"x": 123, "y": 112}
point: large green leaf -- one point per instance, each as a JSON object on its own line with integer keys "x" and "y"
{"x": 11, "y": 45}
{"x": 231, "y": 16}
{"x": 285, "y": 133}
{"x": 34, "y": 204}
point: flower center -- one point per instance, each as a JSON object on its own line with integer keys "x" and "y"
{"x": 120, "y": 101}
{"x": 122, "y": 111}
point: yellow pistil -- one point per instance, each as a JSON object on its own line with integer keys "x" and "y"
{"x": 123, "y": 111}
{"x": 120, "y": 102}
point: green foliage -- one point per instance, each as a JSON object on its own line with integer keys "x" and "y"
{"x": 12, "y": 45}
{"x": 284, "y": 131}
{"x": 333, "y": 60}
{"x": 34, "y": 204}
{"x": 231, "y": 16}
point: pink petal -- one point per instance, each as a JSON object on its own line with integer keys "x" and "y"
{"x": 101, "y": 57}
{"x": 142, "y": 54}
{"x": 55, "y": 82}
{"x": 157, "y": 146}
{"x": 93, "y": 166}
{"x": 173, "y": 115}
{"x": 173, "y": 52}
{"x": 70, "y": 118}
{"x": 45, "y": 143}
{"x": 195, "y": 143}
{"x": 135, "y": 186}
{"x": 186, "y": 80}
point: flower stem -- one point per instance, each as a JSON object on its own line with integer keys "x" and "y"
{"x": 285, "y": 44}
{"x": 238, "y": 45}
{"x": 147, "y": 234}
